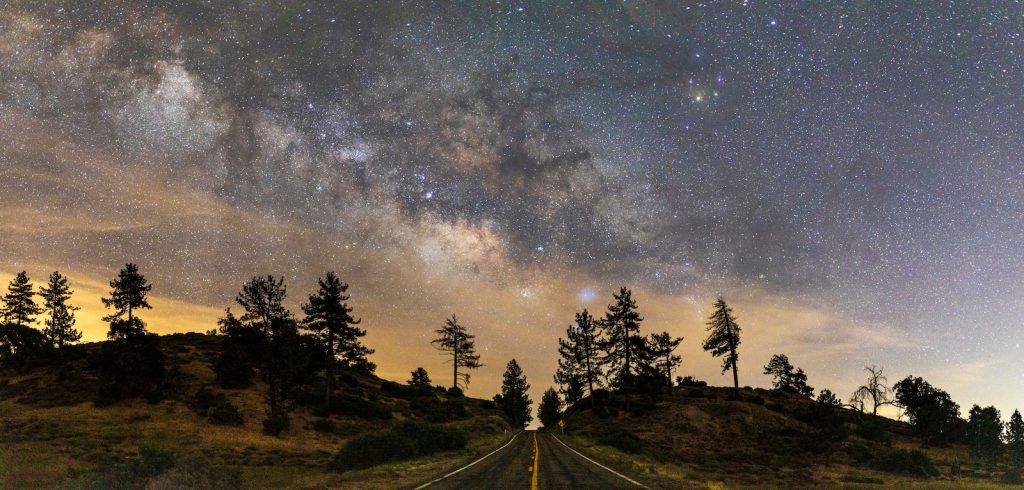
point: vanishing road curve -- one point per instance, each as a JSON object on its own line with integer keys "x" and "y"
{"x": 534, "y": 460}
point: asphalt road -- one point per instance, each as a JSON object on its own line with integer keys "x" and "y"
{"x": 513, "y": 468}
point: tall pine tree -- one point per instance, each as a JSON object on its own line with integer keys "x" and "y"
{"x": 550, "y": 410}
{"x": 514, "y": 399}
{"x": 985, "y": 433}
{"x": 128, "y": 294}
{"x": 579, "y": 365}
{"x": 787, "y": 378}
{"x": 1015, "y": 439}
{"x": 662, "y": 347}
{"x": 454, "y": 339}
{"x": 723, "y": 340}
{"x": 132, "y": 364}
{"x": 60, "y": 326}
{"x": 19, "y": 308}
{"x": 625, "y": 350}
{"x": 329, "y": 317}
{"x": 263, "y": 301}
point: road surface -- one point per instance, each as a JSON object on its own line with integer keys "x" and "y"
{"x": 512, "y": 467}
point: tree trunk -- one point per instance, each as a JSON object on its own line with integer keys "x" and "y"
{"x": 329, "y": 373}
{"x": 590, "y": 381}
{"x": 455, "y": 366}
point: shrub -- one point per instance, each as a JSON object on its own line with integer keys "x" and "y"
{"x": 641, "y": 406}
{"x": 439, "y": 411}
{"x": 1010, "y": 477}
{"x": 132, "y": 367}
{"x": 399, "y": 390}
{"x": 690, "y": 381}
{"x": 695, "y": 394}
{"x": 431, "y": 438}
{"x": 911, "y": 462}
{"x": 215, "y": 407}
{"x": 488, "y": 405}
{"x": 364, "y": 409}
{"x": 455, "y": 391}
{"x": 235, "y": 367}
{"x": 202, "y": 400}
{"x": 325, "y": 426}
{"x": 274, "y": 424}
{"x": 619, "y": 439}
{"x": 756, "y": 400}
{"x": 223, "y": 412}
{"x": 873, "y": 431}
{"x": 400, "y": 442}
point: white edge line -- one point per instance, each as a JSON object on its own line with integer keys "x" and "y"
{"x": 429, "y": 483}
{"x": 616, "y": 473}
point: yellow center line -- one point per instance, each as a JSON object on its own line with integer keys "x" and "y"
{"x": 536, "y": 462}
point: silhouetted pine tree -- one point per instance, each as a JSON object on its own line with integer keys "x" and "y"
{"x": 263, "y": 301}
{"x": 514, "y": 399}
{"x": 625, "y": 351}
{"x": 550, "y": 409}
{"x": 128, "y": 293}
{"x": 420, "y": 378}
{"x": 579, "y": 365}
{"x": 329, "y": 317}
{"x": 827, "y": 398}
{"x": 454, "y": 339}
{"x": 662, "y": 345}
{"x": 1015, "y": 439}
{"x": 723, "y": 340}
{"x": 787, "y": 378}
{"x": 60, "y": 326}
{"x": 132, "y": 364}
{"x": 985, "y": 433}
{"x": 19, "y": 308}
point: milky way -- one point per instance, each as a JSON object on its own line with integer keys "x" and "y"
{"x": 849, "y": 174}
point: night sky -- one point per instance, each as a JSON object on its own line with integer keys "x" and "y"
{"x": 849, "y": 175}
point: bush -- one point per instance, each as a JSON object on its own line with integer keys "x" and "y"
{"x": 400, "y": 391}
{"x": 132, "y": 367}
{"x": 325, "y": 426}
{"x": 431, "y": 438}
{"x": 619, "y": 439}
{"x": 455, "y": 391}
{"x": 695, "y": 394}
{"x": 438, "y": 411}
{"x": 202, "y": 400}
{"x": 1010, "y": 477}
{"x": 223, "y": 412}
{"x": 911, "y": 462}
{"x": 358, "y": 407}
{"x": 756, "y": 400}
{"x": 400, "y": 442}
{"x": 236, "y": 365}
{"x": 216, "y": 407}
{"x": 275, "y": 424}
{"x": 873, "y": 431}
{"x": 690, "y": 381}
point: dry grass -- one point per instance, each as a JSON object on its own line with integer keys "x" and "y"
{"x": 78, "y": 445}
{"x": 764, "y": 440}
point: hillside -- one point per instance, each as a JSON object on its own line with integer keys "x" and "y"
{"x": 51, "y": 433}
{"x": 703, "y": 437}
